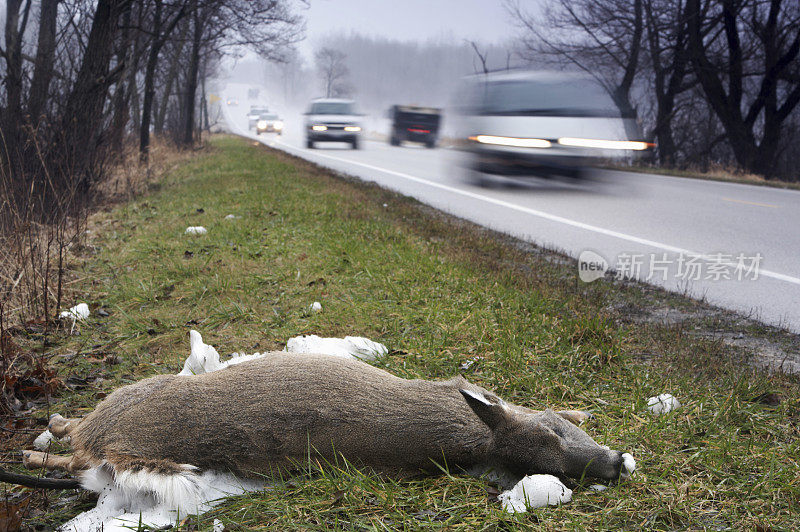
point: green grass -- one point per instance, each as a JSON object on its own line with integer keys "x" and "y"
{"x": 437, "y": 292}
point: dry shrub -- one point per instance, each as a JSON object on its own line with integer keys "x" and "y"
{"x": 726, "y": 172}
{"x": 26, "y": 379}
{"x": 35, "y": 243}
{"x": 127, "y": 179}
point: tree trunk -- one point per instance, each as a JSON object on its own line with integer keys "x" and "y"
{"x": 132, "y": 94}
{"x": 204, "y": 105}
{"x": 13, "y": 57}
{"x": 172, "y": 75}
{"x": 191, "y": 81}
{"x": 12, "y": 142}
{"x": 121, "y": 114}
{"x": 45, "y": 55}
{"x": 149, "y": 77}
{"x": 622, "y": 93}
{"x": 149, "y": 85}
{"x": 83, "y": 112}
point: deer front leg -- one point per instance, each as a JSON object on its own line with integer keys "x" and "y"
{"x": 61, "y": 426}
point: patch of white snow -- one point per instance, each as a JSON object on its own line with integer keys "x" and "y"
{"x": 79, "y": 312}
{"x": 347, "y": 347}
{"x": 535, "y": 491}
{"x": 662, "y": 404}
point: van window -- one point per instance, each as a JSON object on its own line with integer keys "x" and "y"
{"x": 331, "y": 108}
{"x": 567, "y": 97}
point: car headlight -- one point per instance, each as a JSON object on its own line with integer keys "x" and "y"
{"x": 604, "y": 144}
{"x": 262, "y": 124}
{"x": 319, "y": 128}
{"x": 278, "y": 125}
{"x": 352, "y": 129}
{"x": 511, "y": 141}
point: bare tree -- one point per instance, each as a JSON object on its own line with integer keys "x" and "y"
{"x": 45, "y": 58}
{"x": 667, "y": 40}
{"x": 332, "y": 67}
{"x": 266, "y": 26}
{"x": 17, "y": 17}
{"x": 745, "y": 55}
{"x": 482, "y": 57}
{"x": 162, "y": 29}
{"x": 81, "y": 124}
{"x": 170, "y": 77}
{"x": 604, "y": 38}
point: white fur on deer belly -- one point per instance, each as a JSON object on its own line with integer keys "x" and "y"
{"x": 535, "y": 491}
{"x": 158, "y": 500}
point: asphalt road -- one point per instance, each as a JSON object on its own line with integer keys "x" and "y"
{"x": 736, "y": 245}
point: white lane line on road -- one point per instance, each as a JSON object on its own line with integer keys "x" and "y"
{"x": 548, "y": 216}
{"x": 526, "y": 210}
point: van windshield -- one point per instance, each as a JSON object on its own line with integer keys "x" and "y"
{"x": 573, "y": 97}
{"x": 331, "y": 108}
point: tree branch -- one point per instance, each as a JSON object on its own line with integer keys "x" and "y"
{"x": 30, "y": 481}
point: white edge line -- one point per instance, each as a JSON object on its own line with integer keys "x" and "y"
{"x": 545, "y": 215}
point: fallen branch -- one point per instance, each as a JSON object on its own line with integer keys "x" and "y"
{"x": 30, "y": 481}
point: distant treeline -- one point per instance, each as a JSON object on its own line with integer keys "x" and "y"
{"x": 383, "y": 72}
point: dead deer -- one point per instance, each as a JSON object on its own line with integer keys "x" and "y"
{"x": 268, "y": 414}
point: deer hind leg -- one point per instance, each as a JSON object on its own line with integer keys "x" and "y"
{"x": 37, "y": 459}
{"x": 61, "y": 426}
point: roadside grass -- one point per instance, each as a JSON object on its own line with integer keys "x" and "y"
{"x": 446, "y": 297}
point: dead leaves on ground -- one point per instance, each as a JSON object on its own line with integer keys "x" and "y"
{"x": 25, "y": 379}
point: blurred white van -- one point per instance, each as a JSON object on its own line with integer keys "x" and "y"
{"x": 534, "y": 123}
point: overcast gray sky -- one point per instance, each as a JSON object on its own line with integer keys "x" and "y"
{"x": 411, "y": 20}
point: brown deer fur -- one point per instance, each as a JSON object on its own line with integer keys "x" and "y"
{"x": 263, "y": 415}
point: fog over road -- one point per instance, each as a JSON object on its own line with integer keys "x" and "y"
{"x": 687, "y": 235}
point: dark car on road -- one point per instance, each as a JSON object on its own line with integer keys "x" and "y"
{"x": 414, "y": 124}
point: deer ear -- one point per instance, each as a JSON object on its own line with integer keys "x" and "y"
{"x": 491, "y": 413}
